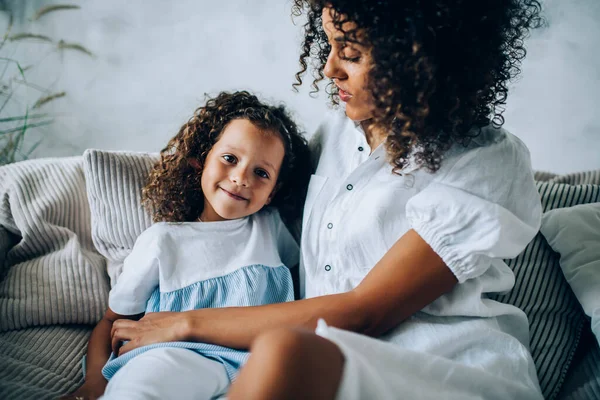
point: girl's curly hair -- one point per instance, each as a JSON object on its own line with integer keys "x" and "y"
{"x": 439, "y": 68}
{"x": 173, "y": 192}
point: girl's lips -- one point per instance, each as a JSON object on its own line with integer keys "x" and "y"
{"x": 234, "y": 196}
{"x": 344, "y": 96}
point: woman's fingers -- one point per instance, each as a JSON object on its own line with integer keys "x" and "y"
{"x": 127, "y": 347}
{"x": 122, "y": 330}
{"x": 152, "y": 328}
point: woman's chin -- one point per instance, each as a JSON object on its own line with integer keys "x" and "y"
{"x": 358, "y": 114}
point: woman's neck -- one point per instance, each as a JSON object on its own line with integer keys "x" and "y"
{"x": 374, "y": 136}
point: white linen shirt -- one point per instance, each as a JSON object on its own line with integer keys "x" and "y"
{"x": 480, "y": 207}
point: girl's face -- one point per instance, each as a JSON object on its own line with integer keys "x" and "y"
{"x": 240, "y": 172}
{"x": 348, "y": 65}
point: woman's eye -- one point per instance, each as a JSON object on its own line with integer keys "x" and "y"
{"x": 262, "y": 173}
{"x": 352, "y": 59}
{"x": 229, "y": 158}
{"x": 351, "y": 56}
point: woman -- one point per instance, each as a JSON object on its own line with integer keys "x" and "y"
{"x": 418, "y": 195}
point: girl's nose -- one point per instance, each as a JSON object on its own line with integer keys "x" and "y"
{"x": 239, "y": 176}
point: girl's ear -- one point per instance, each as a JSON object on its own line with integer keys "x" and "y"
{"x": 273, "y": 193}
{"x": 194, "y": 163}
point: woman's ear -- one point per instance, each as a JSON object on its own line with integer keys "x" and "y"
{"x": 194, "y": 163}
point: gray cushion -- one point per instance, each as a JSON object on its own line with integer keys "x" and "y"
{"x": 42, "y": 362}
{"x": 51, "y": 272}
{"x": 114, "y": 187}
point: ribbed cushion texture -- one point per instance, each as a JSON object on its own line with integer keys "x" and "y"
{"x": 53, "y": 274}
{"x": 43, "y": 362}
{"x": 114, "y": 183}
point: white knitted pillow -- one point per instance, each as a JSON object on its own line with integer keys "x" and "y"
{"x": 114, "y": 187}
{"x": 51, "y": 273}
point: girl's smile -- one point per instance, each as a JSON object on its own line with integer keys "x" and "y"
{"x": 233, "y": 195}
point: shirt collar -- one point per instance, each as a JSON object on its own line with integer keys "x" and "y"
{"x": 380, "y": 151}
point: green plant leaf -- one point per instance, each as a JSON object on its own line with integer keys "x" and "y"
{"x": 27, "y": 35}
{"x": 8, "y": 29}
{"x": 62, "y": 45}
{"x": 23, "y": 117}
{"x": 24, "y": 128}
{"x": 32, "y": 149}
{"x": 21, "y": 71}
{"x": 56, "y": 7}
{"x": 46, "y": 99}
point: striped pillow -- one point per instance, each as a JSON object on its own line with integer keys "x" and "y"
{"x": 114, "y": 186}
{"x": 583, "y": 382}
{"x": 541, "y": 291}
{"x": 42, "y": 362}
{"x": 51, "y": 273}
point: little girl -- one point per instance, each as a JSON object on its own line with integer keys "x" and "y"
{"x": 216, "y": 196}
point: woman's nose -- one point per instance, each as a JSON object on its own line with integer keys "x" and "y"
{"x": 333, "y": 69}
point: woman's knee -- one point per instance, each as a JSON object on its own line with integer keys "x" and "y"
{"x": 290, "y": 363}
{"x": 291, "y": 346}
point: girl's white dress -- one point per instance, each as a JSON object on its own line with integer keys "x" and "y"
{"x": 191, "y": 265}
{"x": 479, "y": 208}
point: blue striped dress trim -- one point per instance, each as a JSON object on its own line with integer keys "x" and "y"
{"x": 248, "y": 286}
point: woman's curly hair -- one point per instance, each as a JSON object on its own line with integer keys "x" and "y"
{"x": 440, "y": 68}
{"x": 173, "y": 192}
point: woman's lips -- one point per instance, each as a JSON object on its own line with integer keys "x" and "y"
{"x": 344, "y": 96}
{"x": 234, "y": 196}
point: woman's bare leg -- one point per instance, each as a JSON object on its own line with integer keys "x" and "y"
{"x": 290, "y": 364}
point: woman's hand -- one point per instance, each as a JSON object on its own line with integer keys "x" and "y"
{"x": 88, "y": 391}
{"x": 153, "y": 328}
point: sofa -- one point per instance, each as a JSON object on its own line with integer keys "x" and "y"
{"x": 67, "y": 224}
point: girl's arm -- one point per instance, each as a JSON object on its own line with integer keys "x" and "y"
{"x": 408, "y": 277}
{"x": 98, "y": 352}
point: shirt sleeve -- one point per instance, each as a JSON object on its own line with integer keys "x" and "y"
{"x": 483, "y": 206}
{"x": 140, "y": 275}
{"x": 288, "y": 249}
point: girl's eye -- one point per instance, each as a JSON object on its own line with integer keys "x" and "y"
{"x": 262, "y": 173}
{"x": 229, "y": 158}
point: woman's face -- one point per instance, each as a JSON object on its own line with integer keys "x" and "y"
{"x": 348, "y": 65}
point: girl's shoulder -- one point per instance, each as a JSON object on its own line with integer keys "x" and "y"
{"x": 268, "y": 216}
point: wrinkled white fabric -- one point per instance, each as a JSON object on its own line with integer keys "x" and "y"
{"x": 180, "y": 372}
{"x": 480, "y": 207}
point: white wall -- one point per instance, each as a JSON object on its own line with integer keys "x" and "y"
{"x": 554, "y": 106}
{"x": 156, "y": 59}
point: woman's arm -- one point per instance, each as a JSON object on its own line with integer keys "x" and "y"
{"x": 408, "y": 277}
{"x": 98, "y": 352}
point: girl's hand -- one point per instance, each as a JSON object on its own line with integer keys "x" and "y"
{"x": 87, "y": 391}
{"x": 153, "y": 328}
